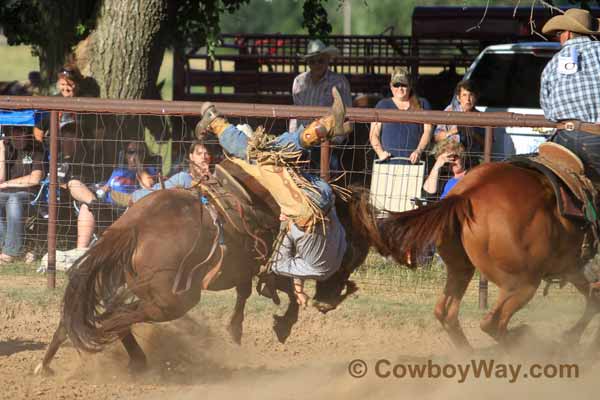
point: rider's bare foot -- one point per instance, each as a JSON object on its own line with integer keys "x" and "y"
{"x": 301, "y": 297}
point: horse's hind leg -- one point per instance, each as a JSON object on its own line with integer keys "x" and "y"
{"x": 509, "y": 302}
{"x": 137, "y": 358}
{"x": 592, "y": 307}
{"x": 59, "y": 337}
{"x": 282, "y": 325}
{"x": 235, "y": 328}
{"x": 460, "y": 271}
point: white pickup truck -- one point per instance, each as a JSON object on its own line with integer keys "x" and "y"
{"x": 508, "y": 77}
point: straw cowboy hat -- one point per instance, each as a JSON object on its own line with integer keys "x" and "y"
{"x": 317, "y": 47}
{"x": 573, "y": 20}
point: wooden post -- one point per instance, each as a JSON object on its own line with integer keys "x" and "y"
{"x": 180, "y": 81}
{"x": 487, "y": 157}
{"x": 52, "y": 209}
{"x": 325, "y": 152}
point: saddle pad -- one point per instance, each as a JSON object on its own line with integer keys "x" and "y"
{"x": 395, "y": 183}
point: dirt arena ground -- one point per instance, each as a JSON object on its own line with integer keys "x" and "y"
{"x": 390, "y": 318}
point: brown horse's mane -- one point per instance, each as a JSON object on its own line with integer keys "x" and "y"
{"x": 410, "y": 231}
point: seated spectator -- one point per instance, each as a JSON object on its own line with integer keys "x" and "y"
{"x": 401, "y": 139}
{"x": 472, "y": 138}
{"x": 116, "y": 191}
{"x": 450, "y": 154}
{"x": 199, "y": 159}
{"x": 24, "y": 173}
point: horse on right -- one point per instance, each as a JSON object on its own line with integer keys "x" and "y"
{"x": 503, "y": 220}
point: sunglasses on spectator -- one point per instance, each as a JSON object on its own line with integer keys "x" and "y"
{"x": 131, "y": 152}
{"x": 558, "y": 33}
{"x": 399, "y": 85}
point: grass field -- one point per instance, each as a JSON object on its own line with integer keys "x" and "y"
{"x": 18, "y": 61}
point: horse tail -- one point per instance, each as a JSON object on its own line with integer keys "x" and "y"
{"x": 411, "y": 232}
{"x": 97, "y": 307}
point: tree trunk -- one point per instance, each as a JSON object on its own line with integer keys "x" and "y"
{"x": 126, "y": 48}
{"x": 51, "y": 60}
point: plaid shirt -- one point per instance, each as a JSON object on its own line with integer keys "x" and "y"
{"x": 307, "y": 93}
{"x": 575, "y": 96}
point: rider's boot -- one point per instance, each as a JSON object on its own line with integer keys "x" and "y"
{"x": 328, "y": 126}
{"x": 211, "y": 121}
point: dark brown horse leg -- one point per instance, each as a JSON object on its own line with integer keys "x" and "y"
{"x": 235, "y": 328}
{"x": 137, "y": 358}
{"x": 60, "y": 336}
{"x": 282, "y": 325}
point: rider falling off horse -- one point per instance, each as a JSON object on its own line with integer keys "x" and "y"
{"x": 312, "y": 241}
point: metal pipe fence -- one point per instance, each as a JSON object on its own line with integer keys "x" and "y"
{"x": 105, "y": 128}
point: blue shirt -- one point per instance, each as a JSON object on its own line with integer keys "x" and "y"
{"x": 400, "y": 139}
{"x": 182, "y": 179}
{"x": 124, "y": 180}
{"x": 573, "y": 96}
{"x": 449, "y": 185}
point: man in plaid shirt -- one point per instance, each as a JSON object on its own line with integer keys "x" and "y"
{"x": 570, "y": 86}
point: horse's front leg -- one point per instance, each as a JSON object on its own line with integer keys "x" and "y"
{"x": 282, "y": 325}
{"x": 235, "y": 328}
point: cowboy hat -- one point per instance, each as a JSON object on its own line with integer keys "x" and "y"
{"x": 573, "y": 20}
{"x": 317, "y": 47}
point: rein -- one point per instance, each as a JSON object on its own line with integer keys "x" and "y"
{"x": 212, "y": 272}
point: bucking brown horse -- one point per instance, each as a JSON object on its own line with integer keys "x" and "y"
{"x": 502, "y": 220}
{"x": 128, "y": 276}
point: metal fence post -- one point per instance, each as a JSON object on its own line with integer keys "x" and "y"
{"x": 52, "y": 206}
{"x": 487, "y": 157}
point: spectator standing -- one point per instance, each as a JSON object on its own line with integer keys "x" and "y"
{"x": 313, "y": 88}
{"x": 465, "y": 99}
{"x": 401, "y": 139}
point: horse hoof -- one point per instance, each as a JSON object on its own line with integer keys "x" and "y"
{"x": 137, "y": 367}
{"x": 41, "y": 370}
{"x": 236, "y": 334}
{"x": 323, "y": 307}
{"x": 281, "y": 328}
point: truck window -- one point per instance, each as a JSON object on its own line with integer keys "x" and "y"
{"x": 510, "y": 80}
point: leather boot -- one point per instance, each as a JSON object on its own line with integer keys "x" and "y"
{"x": 322, "y": 129}
{"x": 211, "y": 121}
{"x": 326, "y": 127}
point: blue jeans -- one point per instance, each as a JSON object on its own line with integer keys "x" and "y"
{"x": 12, "y": 220}
{"x": 586, "y": 146}
{"x": 235, "y": 142}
